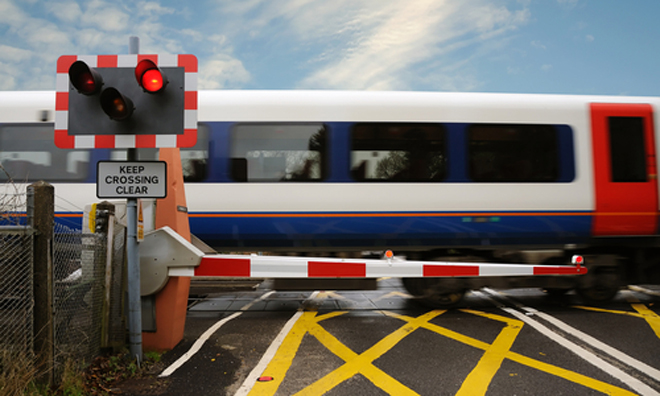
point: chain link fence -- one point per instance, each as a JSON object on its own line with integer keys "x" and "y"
{"x": 88, "y": 293}
{"x": 16, "y": 277}
{"x": 77, "y": 295}
{"x": 16, "y": 290}
{"x": 88, "y": 287}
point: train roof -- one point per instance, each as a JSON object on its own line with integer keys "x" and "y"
{"x": 317, "y": 105}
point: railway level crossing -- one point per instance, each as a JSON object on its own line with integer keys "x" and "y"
{"x": 123, "y": 101}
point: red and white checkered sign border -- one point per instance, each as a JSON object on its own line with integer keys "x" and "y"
{"x": 66, "y": 141}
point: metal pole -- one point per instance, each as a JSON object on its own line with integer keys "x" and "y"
{"x": 133, "y": 45}
{"x": 133, "y": 252}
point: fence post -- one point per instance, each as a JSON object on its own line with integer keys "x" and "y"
{"x": 42, "y": 197}
{"x": 105, "y": 218}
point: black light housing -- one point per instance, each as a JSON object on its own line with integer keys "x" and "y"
{"x": 85, "y": 79}
{"x": 117, "y": 106}
{"x": 150, "y": 77}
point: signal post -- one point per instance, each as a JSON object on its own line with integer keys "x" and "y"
{"x": 130, "y": 102}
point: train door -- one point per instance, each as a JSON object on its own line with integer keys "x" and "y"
{"x": 624, "y": 169}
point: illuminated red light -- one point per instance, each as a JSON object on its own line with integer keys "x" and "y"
{"x": 149, "y": 76}
{"x": 152, "y": 80}
{"x": 577, "y": 260}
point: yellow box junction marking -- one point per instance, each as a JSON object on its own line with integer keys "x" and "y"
{"x": 652, "y": 318}
{"x": 478, "y": 380}
{"x": 476, "y": 383}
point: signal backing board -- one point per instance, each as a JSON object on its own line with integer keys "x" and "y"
{"x": 166, "y": 119}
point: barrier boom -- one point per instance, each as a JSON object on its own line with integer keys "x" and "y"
{"x": 306, "y": 267}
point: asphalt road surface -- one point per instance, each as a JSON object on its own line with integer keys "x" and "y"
{"x": 496, "y": 342}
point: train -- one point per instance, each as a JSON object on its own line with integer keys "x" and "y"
{"x": 431, "y": 175}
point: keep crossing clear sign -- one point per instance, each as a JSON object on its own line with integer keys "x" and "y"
{"x": 124, "y": 179}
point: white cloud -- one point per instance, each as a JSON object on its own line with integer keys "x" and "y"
{"x": 10, "y": 14}
{"x": 590, "y": 38}
{"x": 65, "y": 11}
{"x": 14, "y": 54}
{"x": 346, "y": 44}
{"x": 151, "y": 9}
{"x": 381, "y": 43}
{"x": 106, "y": 16}
{"x": 222, "y": 72}
{"x": 35, "y": 36}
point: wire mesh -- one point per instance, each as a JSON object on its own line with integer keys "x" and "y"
{"x": 16, "y": 290}
{"x": 78, "y": 289}
{"x": 88, "y": 287}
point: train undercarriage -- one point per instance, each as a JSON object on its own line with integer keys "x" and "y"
{"x": 610, "y": 266}
{"x": 610, "y": 269}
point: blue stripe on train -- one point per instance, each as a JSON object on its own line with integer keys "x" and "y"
{"x": 426, "y": 230}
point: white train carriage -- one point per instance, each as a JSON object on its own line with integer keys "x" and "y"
{"x": 430, "y": 175}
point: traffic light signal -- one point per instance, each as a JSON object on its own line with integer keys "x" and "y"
{"x": 117, "y": 106}
{"x": 150, "y": 77}
{"x": 126, "y": 101}
{"x": 86, "y": 80}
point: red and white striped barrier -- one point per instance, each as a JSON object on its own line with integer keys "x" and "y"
{"x": 306, "y": 267}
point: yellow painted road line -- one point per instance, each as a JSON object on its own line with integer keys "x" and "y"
{"x": 612, "y": 311}
{"x": 589, "y": 356}
{"x": 548, "y": 368}
{"x": 477, "y": 382}
{"x": 615, "y": 353}
{"x": 362, "y": 364}
{"x": 643, "y": 312}
{"x": 648, "y": 315}
{"x": 282, "y": 359}
{"x": 572, "y": 376}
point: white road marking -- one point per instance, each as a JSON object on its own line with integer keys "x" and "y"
{"x": 251, "y": 379}
{"x": 590, "y": 357}
{"x": 207, "y": 334}
{"x": 644, "y": 290}
{"x": 615, "y": 353}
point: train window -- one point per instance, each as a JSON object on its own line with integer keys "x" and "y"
{"x": 193, "y": 159}
{"x": 513, "y": 153}
{"x": 398, "y": 152}
{"x": 627, "y": 149}
{"x": 278, "y": 152}
{"x": 28, "y": 153}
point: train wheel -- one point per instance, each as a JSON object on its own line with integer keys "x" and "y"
{"x": 597, "y": 294}
{"x": 413, "y": 286}
{"x": 601, "y": 283}
{"x": 435, "y": 292}
{"x": 442, "y": 300}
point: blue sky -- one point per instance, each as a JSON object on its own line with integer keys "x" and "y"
{"x": 530, "y": 46}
